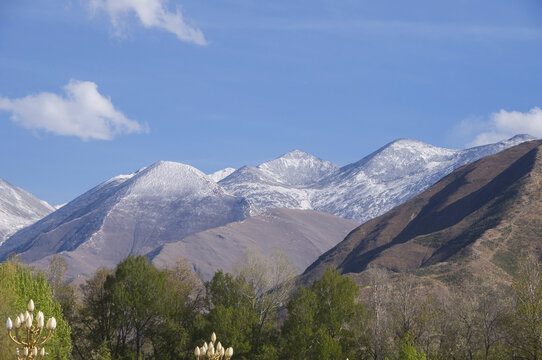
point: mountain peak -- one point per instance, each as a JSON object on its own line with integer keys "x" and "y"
{"x": 520, "y": 138}
{"x": 297, "y": 168}
{"x": 172, "y": 177}
{"x": 221, "y": 174}
{"x": 408, "y": 143}
{"x": 296, "y": 154}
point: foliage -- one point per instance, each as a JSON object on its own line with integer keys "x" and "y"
{"x": 243, "y": 308}
{"x": 19, "y": 284}
{"x": 136, "y": 311}
{"x": 319, "y": 319}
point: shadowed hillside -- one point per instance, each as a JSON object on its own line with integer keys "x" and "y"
{"x": 479, "y": 219}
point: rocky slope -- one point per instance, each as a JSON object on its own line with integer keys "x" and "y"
{"x": 480, "y": 219}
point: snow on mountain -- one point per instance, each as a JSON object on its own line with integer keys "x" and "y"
{"x": 129, "y": 214}
{"x": 359, "y": 191}
{"x": 221, "y": 174}
{"x": 19, "y": 208}
{"x": 279, "y": 183}
{"x": 297, "y": 168}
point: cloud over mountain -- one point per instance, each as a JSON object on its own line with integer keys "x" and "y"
{"x": 151, "y": 14}
{"x": 502, "y": 125}
{"x": 81, "y": 112}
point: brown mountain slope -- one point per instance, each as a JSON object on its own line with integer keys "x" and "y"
{"x": 479, "y": 219}
{"x": 302, "y": 235}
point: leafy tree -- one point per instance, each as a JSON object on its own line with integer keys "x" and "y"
{"x": 182, "y": 303}
{"x": 132, "y": 292}
{"x": 409, "y": 352}
{"x": 319, "y": 323}
{"x": 243, "y": 308}
{"x": 7, "y": 306}
{"x": 19, "y": 283}
{"x": 122, "y": 309}
{"x": 92, "y": 325}
{"x": 230, "y": 314}
{"x": 102, "y": 353}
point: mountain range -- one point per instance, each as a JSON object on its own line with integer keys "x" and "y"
{"x": 479, "y": 220}
{"x": 129, "y": 214}
{"x": 359, "y": 191}
{"x": 169, "y": 208}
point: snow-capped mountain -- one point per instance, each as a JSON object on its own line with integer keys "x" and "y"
{"x": 297, "y": 168}
{"x": 129, "y": 214}
{"x": 221, "y": 174}
{"x": 359, "y": 191}
{"x": 166, "y": 202}
{"x": 19, "y": 208}
{"x": 279, "y": 183}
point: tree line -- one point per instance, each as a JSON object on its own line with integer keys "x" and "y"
{"x": 136, "y": 311}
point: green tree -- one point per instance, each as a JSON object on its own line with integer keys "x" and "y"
{"x": 122, "y": 309}
{"x": 409, "y": 352}
{"x": 320, "y": 320}
{"x": 243, "y": 308}
{"x": 92, "y": 327}
{"x": 133, "y": 292}
{"x": 230, "y": 314}
{"x": 102, "y": 353}
{"x": 181, "y": 305}
{"x": 20, "y": 283}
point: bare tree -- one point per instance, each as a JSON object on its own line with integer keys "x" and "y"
{"x": 269, "y": 282}
{"x": 378, "y": 303}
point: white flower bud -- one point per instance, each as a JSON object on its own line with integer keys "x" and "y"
{"x": 31, "y": 305}
{"x": 51, "y": 324}
{"x": 9, "y": 324}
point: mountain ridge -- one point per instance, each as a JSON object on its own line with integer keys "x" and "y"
{"x": 361, "y": 190}
{"x": 455, "y": 225}
{"x": 131, "y": 214}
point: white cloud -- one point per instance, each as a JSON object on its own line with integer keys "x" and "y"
{"x": 82, "y": 112}
{"x": 151, "y": 13}
{"x": 503, "y": 125}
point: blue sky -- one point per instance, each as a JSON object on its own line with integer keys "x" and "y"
{"x": 94, "y": 88}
